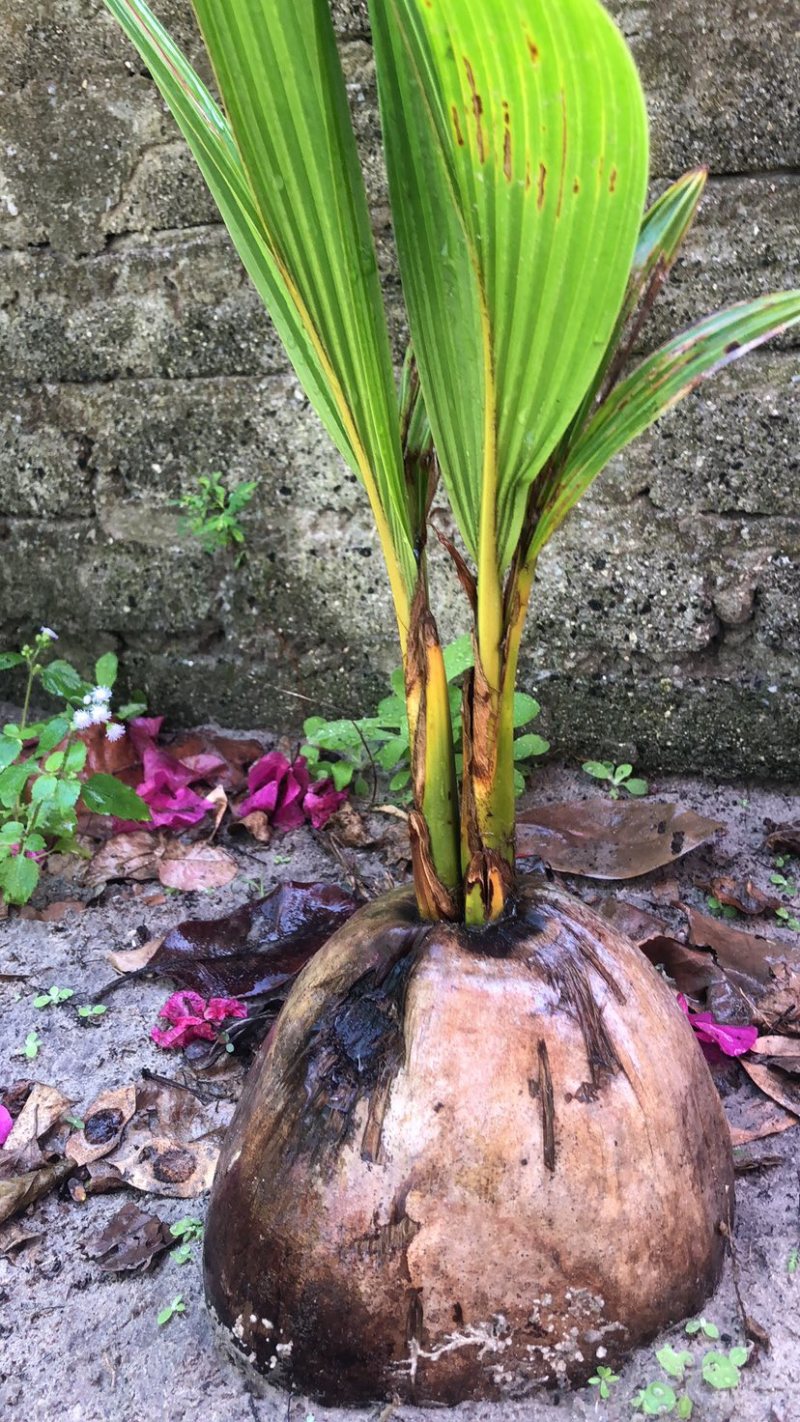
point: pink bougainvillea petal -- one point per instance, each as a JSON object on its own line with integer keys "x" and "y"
{"x": 182, "y": 1004}
{"x": 273, "y": 767}
{"x": 718, "y": 1036}
{"x": 190, "y": 1029}
{"x": 143, "y": 731}
{"x": 323, "y": 800}
{"x": 221, "y": 1007}
{"x": 6, "y": 1124}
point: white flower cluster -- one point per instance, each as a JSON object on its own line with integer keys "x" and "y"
{"x": 97, "y": 712}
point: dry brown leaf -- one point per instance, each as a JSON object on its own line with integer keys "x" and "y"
{"x": 14, "y": 1236}
{"x": 776, "y": 1084}
{"x": 783, "y": 837}
{"x": 104, "y": 1123}
{"x": 44, "y": 1106}
{"x": 126, "y": 856}
{"x": 172, "y": 1145}
{"x": 748, "y": 958}
{"x": 610, "y": 839}
{"x": 639, "y": 925}
{"x": 779, "y": 1006}
{"x": 257, "y": 824}
{"x": 746, "y": 898}
{"x": 130, "y": 961}
{"x": 132, "y": 1240}
{"x": 196, "y": 866}
{"x": 24, "y": 1190}
{"x": 217, "y": 797}
{"x": 53, "y": 913}
{"x": 761, "y": 1118}
{"x": 350, "y": 828}
{"x": 775, "y": 1046}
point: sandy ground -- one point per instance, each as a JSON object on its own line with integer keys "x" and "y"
{"x": 82, "y": 1345}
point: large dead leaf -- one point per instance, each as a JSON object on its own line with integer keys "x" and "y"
{"x": 103, "y": 1125}
{"x": 258, "y": 949}
{"x": 144, "y": 855}
{"x": 125, "y": 856}
{"x": 132, "y": 960}
{"x": 747, "y": 958}
{"x": 610, "y": 839}
{"x": 172, "y": 1144}
{"x": 132, "y": 1240}
{"x": 196, "y": 866}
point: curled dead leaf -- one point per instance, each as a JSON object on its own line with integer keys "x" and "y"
{"x": 259, "y": 948}
{"x": 610, "y": 839}
{"x": 776, "y": 1084}
{"x": 783, "y": 837}
{"x": 44, "y": 1107}
{"x": 24, "y": 1190}
{"x": 257, "y": 824}
{"x": 746, "y": 898}
{"x": 132, "y": 960}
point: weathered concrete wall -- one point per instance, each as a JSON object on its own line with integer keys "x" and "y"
{"x": 135, "y": 356}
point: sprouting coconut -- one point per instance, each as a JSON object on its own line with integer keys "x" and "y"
{"x": 480, "y": 1149}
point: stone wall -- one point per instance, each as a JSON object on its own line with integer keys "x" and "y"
{"x": 135, "y": 356}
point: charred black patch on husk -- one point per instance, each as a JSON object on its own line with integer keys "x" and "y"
{"x": 353, "y": 1052}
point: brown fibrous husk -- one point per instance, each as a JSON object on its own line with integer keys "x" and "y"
{"x": 468, "y": 1162}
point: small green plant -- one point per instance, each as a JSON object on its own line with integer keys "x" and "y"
{"x": 383, "y": 739}
{"x": 76, "y": 1122}
{"x": 674, "y": 1363}
{"x": 53, "y": 997}
{"x": 719, "y": 909}
{"x": 212, "y": 513}
{"x": 657, "y": 1399}
{"x": 93, "y": 1009}
{"x": 170, "y": 1309}
{"x": 786, "y": 886}
{"x": 187, "y": 1231}
{"x": 789, "y": 919}
{"x": 619, "y": 777}
{"x": 793, "y": 1261}
{"x": 42, "y": 765}
{"x": 721, "y": 1370}
{"x": 31, "y": 1045}
{"x": 604, "y": 1380}
{"x": 702, "y": 1325}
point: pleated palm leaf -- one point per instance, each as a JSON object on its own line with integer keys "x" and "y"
{"x": 515, "y": 136}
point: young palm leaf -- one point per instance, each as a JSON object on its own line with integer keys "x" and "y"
{"x": 284, "y": 172}
{"x": 517, "y": 160}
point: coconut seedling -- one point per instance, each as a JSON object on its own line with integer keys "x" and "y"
{"x": 480, "y": 1149}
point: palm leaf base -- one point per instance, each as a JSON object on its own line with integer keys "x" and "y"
{"x": 468, "y": 1162}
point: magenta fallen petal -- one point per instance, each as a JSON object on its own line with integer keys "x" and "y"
{"x": 163, "y": 772}
{"x": 171, "y": 811}
{"x": 271, "y": 767}
{"x": 221, "y": 1007}
{"x": 189, "y": 1029}
{"x": 6, "y": 1124}
{"x": 143, "y": 731}
{"x": 733, "y": 1041}
{"x": 265, "y": 798}
{"x": 203, "y": 767}
{"x": 322, "y": 800}
{"x": 182, "y": 1004}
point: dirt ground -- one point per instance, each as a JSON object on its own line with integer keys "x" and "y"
{"x": 81, "y": 1345}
